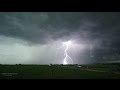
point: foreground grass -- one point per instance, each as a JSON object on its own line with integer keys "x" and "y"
{"x": 57, "y": 72}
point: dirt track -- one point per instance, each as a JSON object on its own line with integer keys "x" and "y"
{"x": 100, "y": 71}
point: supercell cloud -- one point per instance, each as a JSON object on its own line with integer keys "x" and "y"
{"x": 36, "y": 37}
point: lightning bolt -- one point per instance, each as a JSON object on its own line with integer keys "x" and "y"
{"x": 66, "y": 54}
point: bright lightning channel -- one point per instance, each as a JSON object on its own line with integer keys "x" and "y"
{"x": 66, "y": 54}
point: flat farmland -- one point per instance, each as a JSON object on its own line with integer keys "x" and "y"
{"x": 94, "y": 71}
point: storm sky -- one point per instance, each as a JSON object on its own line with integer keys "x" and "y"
{"x": 37, "y": 37}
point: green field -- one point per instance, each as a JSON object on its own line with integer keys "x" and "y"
{"x": 93, "y": 71}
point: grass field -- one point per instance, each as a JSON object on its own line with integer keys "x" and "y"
{"x": 93, "y": 71}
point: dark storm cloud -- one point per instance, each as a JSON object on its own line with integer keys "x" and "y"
{"x": 40, "y": 27}
{"x": 19, "y": 30}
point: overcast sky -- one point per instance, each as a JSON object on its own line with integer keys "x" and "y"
{"x": 37, "y": 37}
